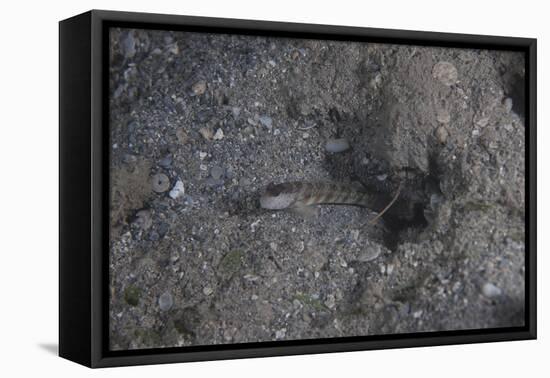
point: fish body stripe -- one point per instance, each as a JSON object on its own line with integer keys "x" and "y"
{"x": 299, "y": 194}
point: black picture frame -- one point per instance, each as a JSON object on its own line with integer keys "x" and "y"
{"x": 84, "y": 188}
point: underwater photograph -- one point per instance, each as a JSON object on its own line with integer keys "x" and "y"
{"x": 273, "y": 189}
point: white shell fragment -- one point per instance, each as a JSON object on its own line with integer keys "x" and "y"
{"x": 490, "y": 290}
{"x": 337, "y": 145}
{"x": 218, "y": 135}
{"x": 177, "y": 191}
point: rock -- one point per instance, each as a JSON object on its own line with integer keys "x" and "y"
{"x": 508, "y": 103}
{"x": 331, "y": 301}
{"x": 166, "y": 162}
{"x": 337, "y": 145}
{"x": 482, "y": 121}
{"x": 177, "y": 191}
{"x": 132, "y": 126}
{"x": 199, "y": 88}
{"x": 441, "y": 134}
{"x": 443, "y": 116}
{"x": 128, "y": 45}
{"x": 160, "y": 183}
{"x": 370, "y": 254}
{"x": 207, "y": 290}
{"x": 446, "y": 73}
{"x": 143, "y": 219}
{"x": 166, "y": 301}
{"x": 206, "y": 133}
{"x": 266, "y": 121}
{"x": 376, "y": 81}
{"x": 174, "y": 49}
{"x": 216, "y": 172}
{"x": 212, "y": 182}
{"x": 154, "y": 236}
{"x": 490, "y": 291}
{"x": 181, "y": 136}
{"x": 131, "y": 295}
{"x": 163, "y": 229}
{"x": 218, "y": 135}
{"x": 279, "y": 334}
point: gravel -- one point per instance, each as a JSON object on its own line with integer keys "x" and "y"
{"x": 209, "y": 121}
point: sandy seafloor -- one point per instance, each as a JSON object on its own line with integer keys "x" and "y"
{"x": 218, "y": 117}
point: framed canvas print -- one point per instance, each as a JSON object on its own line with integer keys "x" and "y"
{"x": 234, "y": 188}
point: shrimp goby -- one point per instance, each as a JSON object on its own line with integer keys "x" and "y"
{"x": 293, "y": 195}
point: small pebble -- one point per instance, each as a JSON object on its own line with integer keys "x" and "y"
{"x": 446, "y": 73}
{"x": 165, "y": 301}
{"x": 128, "y": 45}
{"x": 331, "y": 301}
{"x": 508, "y": 127}
{"x": 482, "y": 122}
{"x": 181, "y": 136}
{"x": 154, "y": 236}
{"x": 443, "y": 116}
{"x": 143, "y": 219}
{"x": 207, "y": 290}
{"x": 441, "y": 134}
{"x": 266, "y": 121}
{"x": 206, "y": 133}
{"x": 305, "y": 135}
{"x": 214, "y": 183}
{"x": 276, "y": 132}
{"x": 160, "y": 183}
{"x": 174, "y": 49}
{"x": 337, "y": 145}
{"x": 280, "y": 333}
{"x": 163, "y": 229}
{"x": 508, "y": 104}
{"x": 216, "y": 172}
{"x": 218, "y": 135}
{"x": 202, "y": 155}
{"x": 376, "y": 81}
{"x": 490, "y": 290}
{"x": 177, "y": 191}
{"x": 166, "y": 162}
{"x": 199, "y": 88}
{"x": 369, "y": 254}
